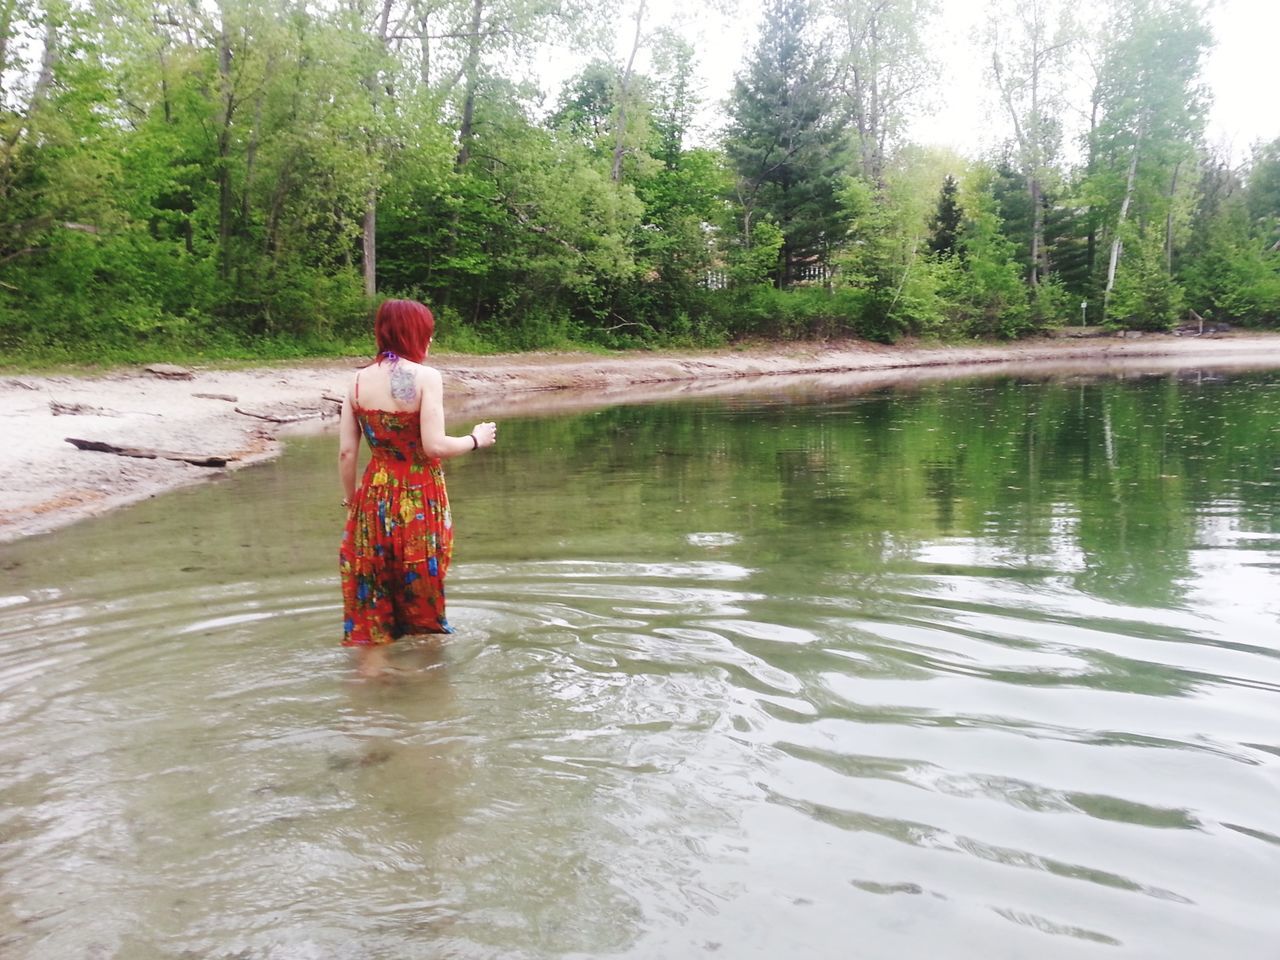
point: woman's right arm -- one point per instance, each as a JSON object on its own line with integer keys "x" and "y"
{"x": 348, "y": 450}
{"x": 435, "y": 442}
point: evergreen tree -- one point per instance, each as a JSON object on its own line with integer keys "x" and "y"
{"x": 1008, "y": 187}
{"x": 1145, "y": 296}
{"x": 990, "y": 297}
{"x": 1231, "y": 270}
{"x": 945, "y": 227}
{"x": 784, "y": 141}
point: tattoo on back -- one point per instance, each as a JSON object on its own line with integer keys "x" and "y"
{"x": 404, "y": 387}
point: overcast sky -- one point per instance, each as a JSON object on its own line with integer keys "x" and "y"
{"x": 1240, "y": 71}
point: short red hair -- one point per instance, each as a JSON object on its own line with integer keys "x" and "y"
{"x": 405, "y": 328}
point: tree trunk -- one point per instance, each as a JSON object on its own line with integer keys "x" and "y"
{"x": 369, "y": 244}
{"x": 1168, "y": 221}
{"x": 1028, "y": 139}
{"x": 624, "y": 90}
{"x": 225, "y": 202}
{"x": 1037, "y": 231}
{"x": 369, "y": 231}
{"x": 1091, "y": 240}
{"x": 47, "y": 62}
{"x": 250, "y": 157}
{"x": 164, "y": 89}
{"x": 875, "y": 160}
{"x": 470, "y": 70}
{"x": 7, "y": 8}
{"x": 424, "y": 65}
{"x": 1034, "y": 160}
{"x": 1116, "y": 244}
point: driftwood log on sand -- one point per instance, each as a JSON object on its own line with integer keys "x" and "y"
{"x": 145, "y": 453}
{"x": 229, "y": 397}
{"x": 296, "y": 411}
{"x": 288, "y": 415}
{"x": 168, "y": 371}
{"x": 60, "y": 409}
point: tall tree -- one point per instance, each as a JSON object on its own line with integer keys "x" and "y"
{"x": 477, "y": 30}
{"x": 1153, "y": 107}
{"x": 675, "y": 97}
{"x": 945, "y": 227}
{"x": 586, "y": 109}
{"x": 379, "y": 87}
{"x": 785, "y": 137}
{"x": 626, "y": 89}
{"x": 1029, "y": 41}
{"x": 884, "y": 69}
{"x": 991, "y": 299}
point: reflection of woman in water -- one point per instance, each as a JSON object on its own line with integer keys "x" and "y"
{"x": 399, "y": 535}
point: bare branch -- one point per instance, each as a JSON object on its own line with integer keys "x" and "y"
{"x": 25, "y": 252}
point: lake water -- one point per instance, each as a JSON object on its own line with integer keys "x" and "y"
{"x": 982, "y": 668}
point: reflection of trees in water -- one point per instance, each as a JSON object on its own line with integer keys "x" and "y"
{"x": 1107, "y": 478}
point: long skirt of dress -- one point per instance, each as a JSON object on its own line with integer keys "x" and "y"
{"x": 395, "y": 553}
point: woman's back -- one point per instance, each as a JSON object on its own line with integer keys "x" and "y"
{"x": 388, "y": 411}
{"x": 388, "y": 385}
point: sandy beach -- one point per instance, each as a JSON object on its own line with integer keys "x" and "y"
{"x": 242, "y": 416}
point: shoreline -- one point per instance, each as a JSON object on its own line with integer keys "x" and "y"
{"x": 49, "y": 483}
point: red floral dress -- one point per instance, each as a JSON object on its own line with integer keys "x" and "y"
{"x": 398, "y": 539}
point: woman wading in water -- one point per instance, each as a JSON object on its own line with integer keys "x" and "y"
{"x": 399, "y": 535}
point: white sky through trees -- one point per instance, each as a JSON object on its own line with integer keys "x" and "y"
{"x": 1239, "y": 72}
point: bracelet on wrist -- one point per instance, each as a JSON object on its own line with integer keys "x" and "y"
{"x": 475, "y": 441}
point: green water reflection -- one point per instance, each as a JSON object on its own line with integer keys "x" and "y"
{"x": 1117, "y": 480}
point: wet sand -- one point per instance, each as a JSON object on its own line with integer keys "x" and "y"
{"x": 245, "y": 414}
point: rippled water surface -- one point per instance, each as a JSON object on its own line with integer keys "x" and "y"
{"x": 982, "y": 669}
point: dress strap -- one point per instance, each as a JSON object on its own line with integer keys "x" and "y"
{"x": 358, "y": 389}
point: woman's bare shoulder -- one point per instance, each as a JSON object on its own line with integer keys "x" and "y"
{"x": 353, "y": 385}
{"x": 429, "y": 375}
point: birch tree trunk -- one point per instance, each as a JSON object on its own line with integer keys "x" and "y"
{"x": 1034, "y": 165}
{"x": 1030, "y": 85}
{"x": 1117, "y": 245}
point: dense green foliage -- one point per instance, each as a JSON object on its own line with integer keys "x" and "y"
{"x": 250, "y": 176}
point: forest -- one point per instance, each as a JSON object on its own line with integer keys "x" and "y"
{"x": 246, "y": 178}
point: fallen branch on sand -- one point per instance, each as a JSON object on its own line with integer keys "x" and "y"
{"x": 310, "y": 414}
{"x": 168, "y": 371}
{"x": 144, "y": 453}
{"x": 60, "y": 409}
{"x": 229, "y": 397}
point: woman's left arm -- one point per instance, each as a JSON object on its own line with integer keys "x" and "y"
{"x": 348, "y": 448}
{"x": 435, "y": 442}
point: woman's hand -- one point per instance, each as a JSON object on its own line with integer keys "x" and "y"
{"x": 486, "y": 434}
